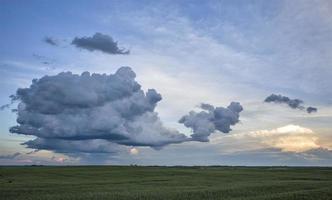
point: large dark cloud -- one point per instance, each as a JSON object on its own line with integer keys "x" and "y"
{"x": 211, "y": 119}
{"x": 292, "y": 103}
{"x": 69, "y": 112}
{"x": 87, "y": 114}
{"x": 100, "y": 42}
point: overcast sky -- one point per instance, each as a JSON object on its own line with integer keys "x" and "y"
{"x": 189, "y": 53}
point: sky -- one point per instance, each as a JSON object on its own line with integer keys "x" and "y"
{"x": 166, "y": 82}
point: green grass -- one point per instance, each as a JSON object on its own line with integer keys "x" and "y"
{"x": 164, "y": 183}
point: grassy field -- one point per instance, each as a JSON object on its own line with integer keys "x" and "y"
{"x": 198, "y": 183}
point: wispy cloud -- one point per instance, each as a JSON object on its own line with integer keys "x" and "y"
{"x": 51, "y": 41}
{"x": 10, "y": 156}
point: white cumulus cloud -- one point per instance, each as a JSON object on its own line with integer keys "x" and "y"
{"x": 290, "y": 138}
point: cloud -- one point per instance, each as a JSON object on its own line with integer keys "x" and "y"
{"x": 59, "y": 159}
{"x": 43, "y": 59}
{"x": 311, "y": 109}
{"x": 134, "y": 151}
{"x": 91, "y": 113}
{"x": 290, "y": 138}
{"x": 100, "y": 42}
{"x": 74, "y": 146}
{"x": 319, "y": 153}
{"x": 206, "y": 122}
{"x": 51, "y": 41}
{"x": 10, "y": 156}
{"x": 292, "y": 103}
{"x": 5, "y": 106}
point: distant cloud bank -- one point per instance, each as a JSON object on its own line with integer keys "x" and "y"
{"x": 99, "y": 42}
{"x": 290, "y": 138}
{"x": 10, "y": 156}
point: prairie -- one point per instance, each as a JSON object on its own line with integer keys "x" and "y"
{"x": 164, "y": 183}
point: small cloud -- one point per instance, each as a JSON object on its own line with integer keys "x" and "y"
{"x": 6, "y": 106}
{"x": 311, "y": 109}
{"x": 3, "y": 107}
{"x": 99, "y": 42}
{"x": 211, "y": 119}
{"x": 59, "y": 159}
{"x": 45, "y": 61}
{"x": 51, "y": 41}
{"x": 292, "y": 103}
{"x": 32, "y": 152}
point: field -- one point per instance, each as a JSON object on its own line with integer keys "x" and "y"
{"x": 166, "y": 183}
